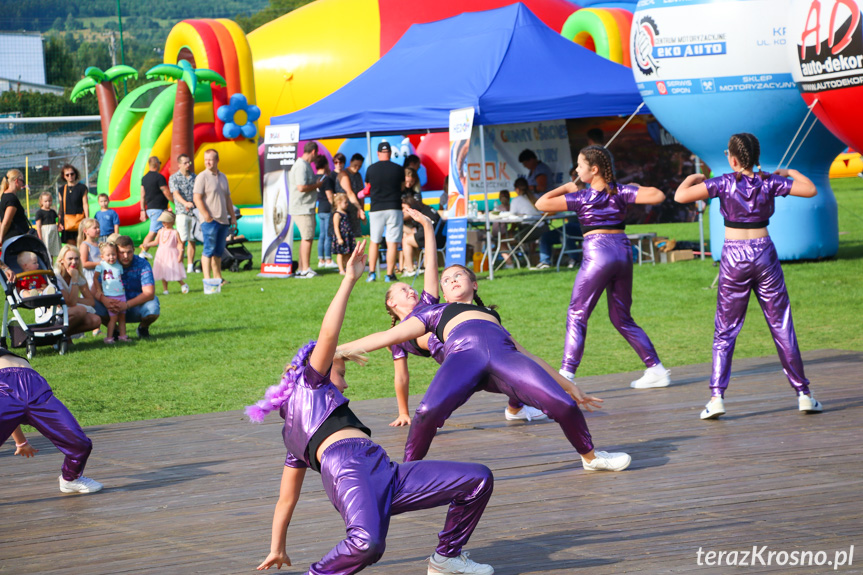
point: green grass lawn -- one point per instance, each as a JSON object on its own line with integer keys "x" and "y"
{"x": 220, "y": 352}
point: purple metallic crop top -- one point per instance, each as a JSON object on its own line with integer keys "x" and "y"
{"x": 596, "y": 209}
{"x": 312, "y": 399}
{"x": 435, "y": 350}
{"x": 749, "y": 201}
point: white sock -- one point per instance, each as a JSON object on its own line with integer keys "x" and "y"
{"x": 439, "y": 558}
{"x": 567, "y": 374}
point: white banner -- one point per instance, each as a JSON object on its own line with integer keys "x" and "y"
{"x": 503, "y": 144}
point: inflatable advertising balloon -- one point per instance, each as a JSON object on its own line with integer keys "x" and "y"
{"x": 708, "y": 69}
{"x": 827, "y": 56}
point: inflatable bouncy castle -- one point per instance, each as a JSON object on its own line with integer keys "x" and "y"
{"x": 207, "y": 86}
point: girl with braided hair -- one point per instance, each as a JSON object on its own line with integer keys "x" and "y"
{"x": 402, "y": 301}
{"x": 479, "y": 354}
{"x": 364, "y": 486}
{"x": 749, "y": 263}
{"x": 607, "y": 259}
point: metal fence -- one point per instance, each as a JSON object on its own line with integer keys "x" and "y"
{"x": 40, "y": 150}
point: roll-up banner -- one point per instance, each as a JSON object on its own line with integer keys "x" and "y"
{"x": 280, "y": 153}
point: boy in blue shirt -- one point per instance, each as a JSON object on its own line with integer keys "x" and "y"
{"x": 109, "y": 221}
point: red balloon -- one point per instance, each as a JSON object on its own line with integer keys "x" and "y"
{"x": 434, "y": 155}
{"x": 839, "y": 110}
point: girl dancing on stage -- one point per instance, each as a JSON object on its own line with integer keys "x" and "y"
{"x": 26, "y": 398}
{"x": 479, "y": 354}
{"x": 365, "y": 487}
{"x": 749, "y": 263}
{"x": 401, "y": 302}
{"x": 607, "y": 259}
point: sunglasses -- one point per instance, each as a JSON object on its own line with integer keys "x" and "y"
{"x": 69, "y": 174}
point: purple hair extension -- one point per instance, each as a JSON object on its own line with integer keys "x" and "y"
{"x": 276, "y": 395}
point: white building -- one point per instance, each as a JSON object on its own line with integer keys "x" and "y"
{"x": 22, "y": 63}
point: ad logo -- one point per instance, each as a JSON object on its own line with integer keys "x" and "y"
{"x": 644, "y": 41}
{"x": 831, "y": 44}
{"x": 661, "y": 88}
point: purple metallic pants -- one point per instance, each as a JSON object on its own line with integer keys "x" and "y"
{"x": 475, "y": 350}
{"x": 752, "y": 265}
{"x": 367, "y": 489}
{"x": 26, "y": 398}
{"x": 606, "y": 266}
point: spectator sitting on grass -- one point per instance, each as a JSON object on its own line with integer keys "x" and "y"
{"x": 79, "y": 300}
{"x": 141, "y": 305}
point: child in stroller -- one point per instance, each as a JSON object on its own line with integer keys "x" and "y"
{"x": 33, "y": 286}
{"x": 32, "y": 280}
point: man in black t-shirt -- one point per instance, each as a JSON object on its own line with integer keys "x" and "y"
{"x": 385, "y": 180}
{"x": 155, "y": 196}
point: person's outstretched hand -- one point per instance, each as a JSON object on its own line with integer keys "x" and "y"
{"x": 586, "y": 402}
{"x": 402, "y": 420}
{"x": 26, "y": 450}
{"x": 356, "y": 264}
{"x": 277, "y": 559}
{"x": 418, "y": 216}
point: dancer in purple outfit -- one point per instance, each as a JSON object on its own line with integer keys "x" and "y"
{"x": 401, "y": 302}
{"x": 479, "y": 354}
{"x": 607, "y": 259}
{"x": 749, "y": 263}
{"x": 26, "y": 398}
{"x": 365, "y": 487}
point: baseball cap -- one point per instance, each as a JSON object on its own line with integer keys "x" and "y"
{"x": 384, "y": 147}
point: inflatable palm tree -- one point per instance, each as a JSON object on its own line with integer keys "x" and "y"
{"x": 102, "y": 83}
{"x": 187, "y": 77}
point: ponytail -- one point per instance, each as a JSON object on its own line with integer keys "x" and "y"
{"x": 7, "y": 179}
{"x": 277, "y": 394}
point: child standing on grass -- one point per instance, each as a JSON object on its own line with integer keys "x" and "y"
{"x": 111, "y": 272}
{"x": 749, "y": 263}
{"x": 364, "y": 486}
{"x": 46, "y": 224}
{"x": 343, "y": 234}
{"x": 26, "y": 398}
{"x": 88, "y": 245}
{"x": 607, "y": 260}
{"x": 168, "y": 265}
{"x": 109, "y": 221}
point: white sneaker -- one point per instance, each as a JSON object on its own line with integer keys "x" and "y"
{"x": 146, "y": 255}
{"x": 714, "y": 408}
{"x": 652, "y": 377}
{"x": 185, "y": 288}
{"x": 309, "y": 273}
{"x": 605, "y": 461}
{"x": 809, "y": 404}
{"x": 166, "y": 292}
{"x": 190, "y": 269}
{"x": 526, "y": 412}
{"x": 80, "y": 485}
{"x": 542, "y": 266}
{"x": 300, "y": 274}
{"x": 458, "y": 565}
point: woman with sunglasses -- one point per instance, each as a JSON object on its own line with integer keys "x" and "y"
{"x": 74, "y": 205}
{"x": 14, "y": 218}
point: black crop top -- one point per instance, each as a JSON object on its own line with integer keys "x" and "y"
{"x": 452, "y": 310}
{"x": 340, "y": 418}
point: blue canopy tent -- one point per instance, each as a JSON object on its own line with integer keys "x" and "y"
{"x": 505, "y": 63}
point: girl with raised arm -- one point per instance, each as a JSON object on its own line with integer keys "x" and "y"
{"x": 479, "y": 354}
{"x": 402, "y": 301}
{"x": 749, "y": 263}
{"x": 607, "y": 260}
{"x": 365, "y": 487}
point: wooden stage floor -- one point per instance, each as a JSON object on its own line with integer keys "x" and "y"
{"x": 196, "y": 494}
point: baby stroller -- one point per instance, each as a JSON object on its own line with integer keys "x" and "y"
{"x": 235, "y": 252}
{"x": 53, "y": 321}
